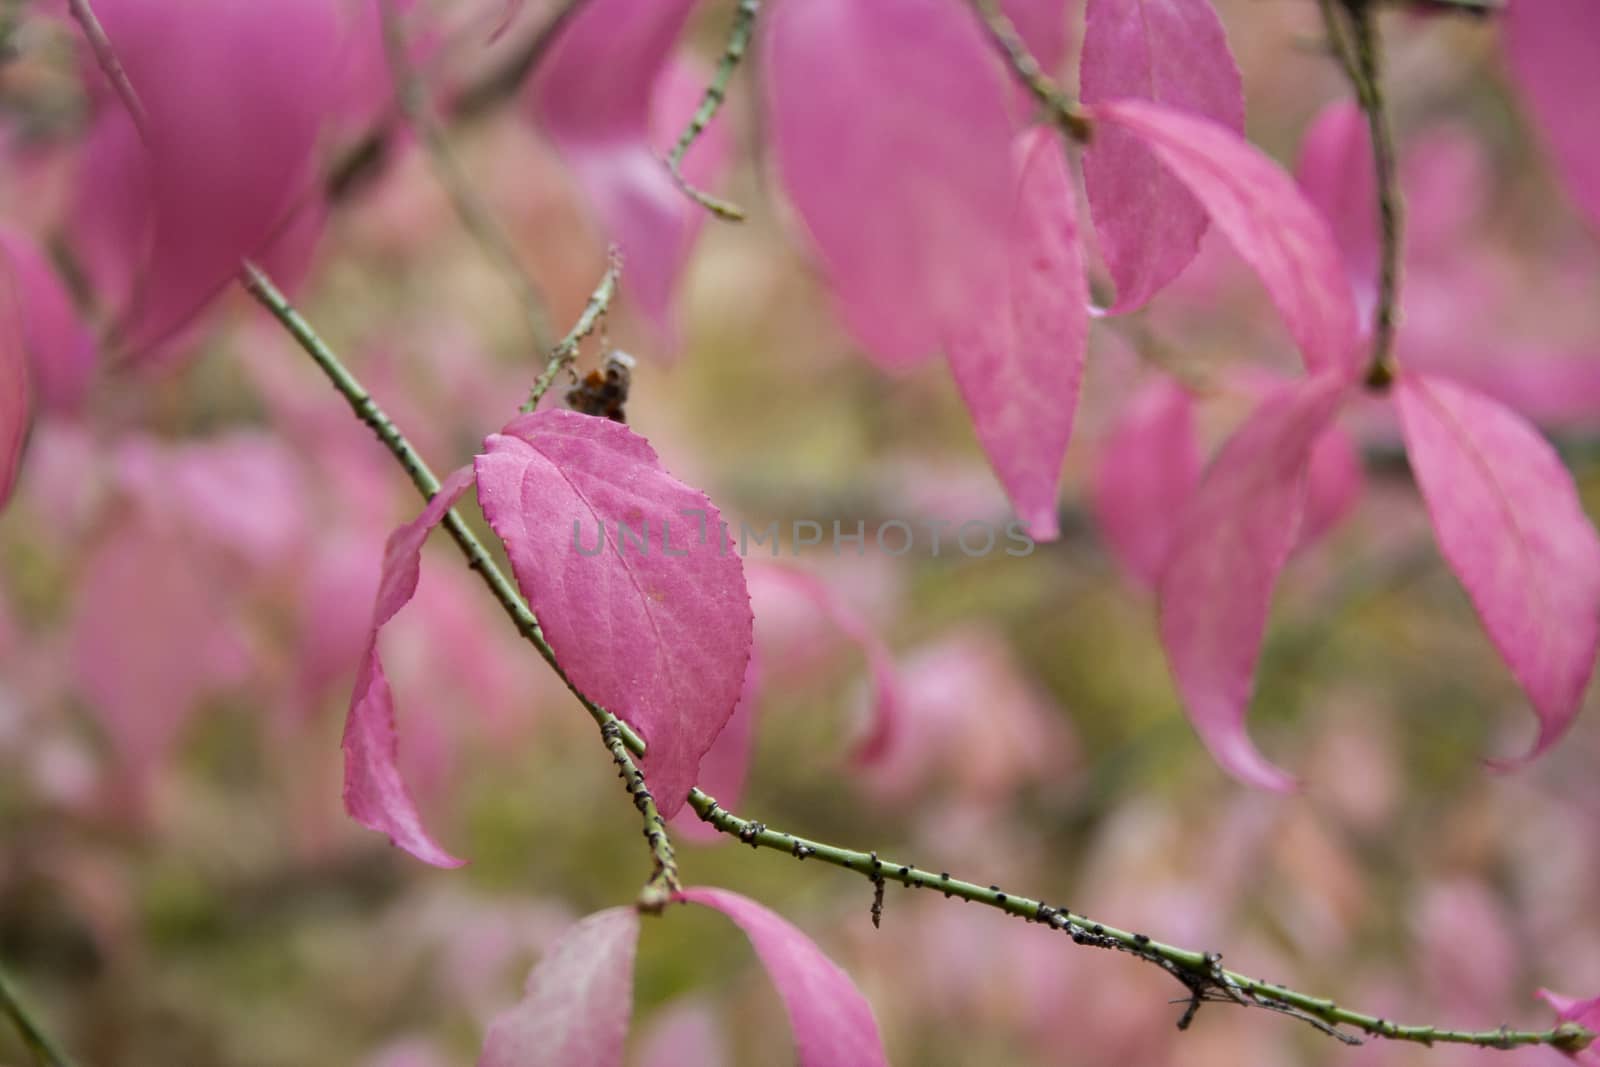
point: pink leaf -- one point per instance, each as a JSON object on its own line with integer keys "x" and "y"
{"x": 1336, "y": 171}
{"x": 153, "y": 632}
{"x": 880, "y": 661}
{"x": 243, "y": 491}
{"x": 1266, "y": 219}
{"x": 61, "y": 349}
{"x": 609, "y": 101}
{"x": 1509, "y": 522}
{"x": 726, "y": 764}
{"x": 974, "y": 722}
{"x": 1553, "y": 50}
{"x": 1233, "y": 539}
{"x": 1020, "y": 366}
{"x": 16, "y": 389}
{"x": 375, "y": 795}
{"x": 234, "y": 94}
{"x": 578, "y": 1002}
{"x": 657, "y": 631}
{"x": 1147, "y": 469}
{"x": 688, "y": 1033}
{"x": 831, "y": 1021}
{"x": 906, "y": 203}
{"x": 1170, "y": 52}
{"x": 1333, "y": 484}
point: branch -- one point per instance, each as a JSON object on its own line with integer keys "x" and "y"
{"x": 474, "y": 214}
{"x": 664, "y": 882}
{"x": 1201, "y": 973}
{"x": 1060, "y": 107}
{"x": 744, "y": 21}
{"x": 45, "y": 1051}
{"x": 594, "y": 313}
{"x": 1359, "y": 52}
{"x": 110, "y": 65}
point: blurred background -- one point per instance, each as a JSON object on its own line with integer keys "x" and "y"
{"x": 179, "y": 884}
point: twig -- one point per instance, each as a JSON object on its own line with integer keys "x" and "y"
{"x": 663, "y": 883}
{"x": 1200, "y": 972}
{"x": 594, "y": 312}
{"x": 1353, "y": 33}
{"x": 1063, "y": 112}
{"x": 43, "y": 1047}
{"x": 106, "y": 57}
{"x": 474, "y": 214}
{"x": 744, "y": 21}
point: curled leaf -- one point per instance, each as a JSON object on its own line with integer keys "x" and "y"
{"x": 1233, "y": 539}
{"x": 375, "y": 795}
{"x": 1509, "y": 522}
{"x": 633, "y": 578}
{"x": 831, "y": 1021}
{"x": 578, "y": 1002}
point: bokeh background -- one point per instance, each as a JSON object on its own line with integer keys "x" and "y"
{"x": 179, "y": 885}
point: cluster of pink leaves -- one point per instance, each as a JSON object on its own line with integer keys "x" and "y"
{"x": 945, "y": 223}
{"x": 1504, "y": 508}
{"x": 937, "y": 236}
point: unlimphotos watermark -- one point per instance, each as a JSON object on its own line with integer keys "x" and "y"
{"x": 974, "y": 538}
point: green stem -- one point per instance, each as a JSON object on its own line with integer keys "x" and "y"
{"x": 1360, "y": 55}
{"x": 1200, "y": 972}
{"x": 44, "y": 1049}
{"x": 475, "y": 215}
{"x": 664, "y": 882}
{"x": 566, "y": 350}
{"x": 744, "y": 21}
{"x": 110, "y": 65}
{"x": 1060, "y": 107}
